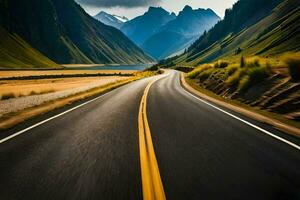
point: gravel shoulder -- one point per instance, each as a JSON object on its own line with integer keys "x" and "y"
{"x": 21, "y": 103}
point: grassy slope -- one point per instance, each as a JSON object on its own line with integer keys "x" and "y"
{"x": 16, "y": 53}
{"x": 101, "y": 43}
{"x": 263, "y": 81}
{"x": 275, "y": 34}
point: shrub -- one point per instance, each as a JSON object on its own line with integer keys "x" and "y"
{"x": 184, "y": 69}
{"x": 33, "y": 93}
{"x": 205, "y": 74}
{"x": 259, "y": 73}
{"x": 293, "y": 64}
{"x": 223, "y": 64}
{"x": 253, "y": 76}
{"x": 152, "y": 68}
{"x": 46, "y": 91}
{"x": 216, "y": 65}
{"x": 231, "y": 69}
{"x": 242, "y": 62}
{"x": 234, "y": 78}
{"x": 252, "y": 73}
{"x": 244, "y": 83}
{"x": 8, "y": 96}
{"x": 193, "y": 74}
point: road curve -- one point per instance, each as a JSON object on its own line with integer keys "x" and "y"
{"x": 205, "y": 154}
{"x": 93, "y": 151}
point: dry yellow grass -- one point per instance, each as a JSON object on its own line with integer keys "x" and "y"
{"x": 29, "y": 87}
{"x": 110, "y": 82}
{"x": 13, "y": 119}
{"x": 6, "y": 74}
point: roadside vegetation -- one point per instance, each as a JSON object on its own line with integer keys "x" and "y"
{"x": 41, "y": 95}
{"x": 240, "y": 76}
{"x": 11, "y": 95}
{"x": 258, "y": 82}
{"x": 293, "y": 64}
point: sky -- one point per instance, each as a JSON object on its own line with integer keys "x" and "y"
{"x": 133, "y": 8}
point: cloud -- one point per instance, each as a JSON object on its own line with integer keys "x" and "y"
{"x": 118, "y": 3}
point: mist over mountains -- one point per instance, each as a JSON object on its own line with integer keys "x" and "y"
{"x": 178, "y": 34}
{"x": 160, "y": 33}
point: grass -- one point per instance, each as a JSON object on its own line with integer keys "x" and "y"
{"x": 22, "y": 88}
{"x": 63, "y": 76}
{"x": 248, "y": 73}
{"x": 6, "y": 96}
{"x": 41, "y": 92}
{"x": 258, "y": 74}
{"x": 221, "y": 64}
{"x": 232, "y": 69}
{"x": 11, "y": 119}
{"x": 205, "y": 74}
{"x": 11, "y": 95}
{"x": 16, "y": 53}
{"x": 185, "y": 69}
{"x": 195, "y": 73}
{"x": 10, "y": 74}
{"x": 241, "y": 76}
{"x": 293, "y": 63}
{"x": 233, "y": 102}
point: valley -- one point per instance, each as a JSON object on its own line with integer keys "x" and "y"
{"x": 152, "y": 99}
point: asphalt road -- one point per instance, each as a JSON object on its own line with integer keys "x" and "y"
{"x": 93, "y": 151}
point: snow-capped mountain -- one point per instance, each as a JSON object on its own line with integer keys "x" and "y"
{"x": 122, "y": 19}
{"x": 111, "y": 20}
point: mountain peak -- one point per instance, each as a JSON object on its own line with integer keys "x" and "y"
{"x": 121, "y": 18}
{"x": 157, "y": 10}
{"x": 173, "y": 14}
{"x": 152, "y": 8}
{"x": 111, "y": 20}
{"x": 101, "y": 13}
{"x": 187, "y": 8}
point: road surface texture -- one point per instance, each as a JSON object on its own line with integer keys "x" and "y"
{"x": 93, "y": 152}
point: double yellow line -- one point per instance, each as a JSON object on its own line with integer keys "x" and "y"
{"x": 151, "y": 180}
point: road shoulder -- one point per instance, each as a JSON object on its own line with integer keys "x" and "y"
{"x": 251, "y": 114}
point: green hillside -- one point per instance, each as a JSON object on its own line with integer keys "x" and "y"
{"x": 61, "y": 30}
{"x": 255, "y": 64}
{"x": 270, "y": 31}
{"x": 275, "y": 34}
{"x": 16, "y": 53}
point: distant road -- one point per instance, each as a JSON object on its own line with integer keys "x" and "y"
{"x": 92, "y": 151}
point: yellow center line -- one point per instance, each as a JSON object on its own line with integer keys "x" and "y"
{"x": 151, "y": 181}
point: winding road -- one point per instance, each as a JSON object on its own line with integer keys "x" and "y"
{"x": 150, "y": 139}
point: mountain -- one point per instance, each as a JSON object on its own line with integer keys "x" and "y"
{"x": 179, "y": 33}
{"x": 252, "y": 56}
{"x": 111, "y": 20}
{"x": 142, "y": 27}
{"x": 15, "y": 52}
{"x": 62, "y": 31}
{"x": 251, "y": 27}
{"x": 121, "y": 18}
